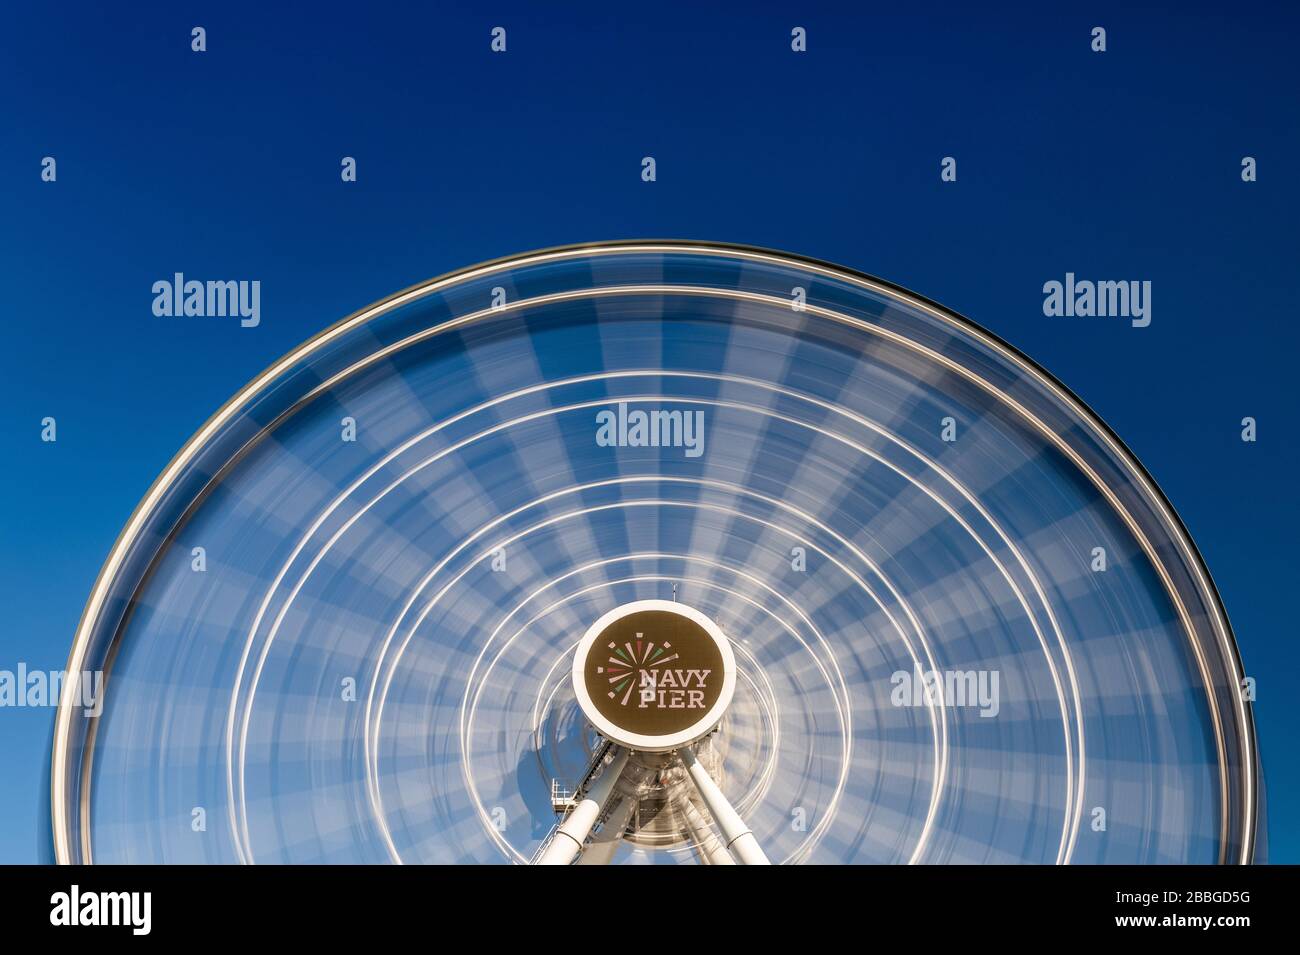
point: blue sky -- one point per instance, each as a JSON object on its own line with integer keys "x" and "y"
{"x": 1122, "y": 165}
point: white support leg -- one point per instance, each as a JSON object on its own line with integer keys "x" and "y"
{"x": 737, "y": 835}
{"x": 572, "y": 833}
{"x": 710, "y": 847}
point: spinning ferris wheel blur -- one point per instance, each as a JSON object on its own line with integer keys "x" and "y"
{"x": 656, "y": 552}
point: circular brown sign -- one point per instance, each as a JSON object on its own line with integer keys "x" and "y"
{"x": 654, "y": 674}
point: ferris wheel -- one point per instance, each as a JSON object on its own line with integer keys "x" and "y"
{"x": 658, "y": 552}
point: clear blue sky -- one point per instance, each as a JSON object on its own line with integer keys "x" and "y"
{"x": 1122, "y": 165}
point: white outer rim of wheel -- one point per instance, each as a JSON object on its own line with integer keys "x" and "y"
{"x": 61, "y": 818}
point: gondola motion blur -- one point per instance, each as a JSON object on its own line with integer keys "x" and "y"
{"x": 655, "y": 552}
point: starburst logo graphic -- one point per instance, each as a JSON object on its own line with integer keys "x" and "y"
{"x": 635, "y": 664}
